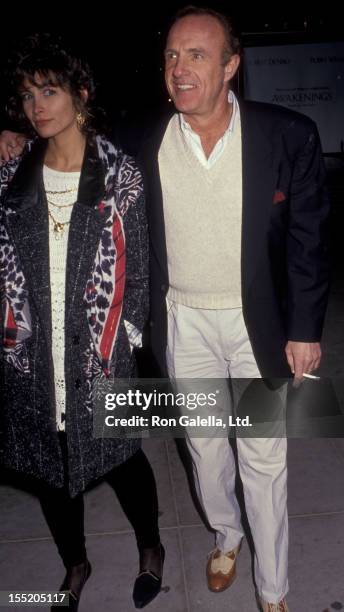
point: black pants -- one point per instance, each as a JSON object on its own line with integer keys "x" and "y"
{"x": 134, "y": 484}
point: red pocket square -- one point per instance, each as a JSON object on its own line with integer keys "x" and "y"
{"x": 278, "y": 197}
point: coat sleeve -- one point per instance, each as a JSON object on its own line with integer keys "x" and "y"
{"x": 7, "y": 172}
{"x": 307, "y": 242}
{"x": 8, "y": 169}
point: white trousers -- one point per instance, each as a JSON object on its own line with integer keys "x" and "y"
{"x": 215, "y": 344}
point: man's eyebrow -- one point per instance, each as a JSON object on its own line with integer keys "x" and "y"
{"x": 196, "y": 50}
{"x": 190, "y": 50}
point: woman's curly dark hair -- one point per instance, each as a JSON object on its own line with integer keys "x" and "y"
{"x": 46, "y": 55}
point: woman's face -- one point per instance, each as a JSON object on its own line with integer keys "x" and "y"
{"x": 49, "y": 108}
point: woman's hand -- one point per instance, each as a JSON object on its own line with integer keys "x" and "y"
{"x": 11, "y": 145}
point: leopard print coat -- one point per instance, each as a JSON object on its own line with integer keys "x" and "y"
{"x": 106, "y": 290}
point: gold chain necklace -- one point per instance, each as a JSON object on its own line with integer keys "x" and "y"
{"x": 60, "y": 205}
{"x": 60, "y": 192}
{"x": 58, "y": 226}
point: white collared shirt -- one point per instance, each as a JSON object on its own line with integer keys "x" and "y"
{"x": 193, "y": 140}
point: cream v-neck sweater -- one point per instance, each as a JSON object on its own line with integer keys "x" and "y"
{"x": 202, "y": 211}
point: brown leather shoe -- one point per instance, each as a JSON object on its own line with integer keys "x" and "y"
{"x": 221, "y": 571}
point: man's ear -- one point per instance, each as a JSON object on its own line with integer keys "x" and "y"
{"x": 231, "y": 67}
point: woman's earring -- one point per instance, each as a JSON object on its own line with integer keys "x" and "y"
{"x": 81, "y": 120}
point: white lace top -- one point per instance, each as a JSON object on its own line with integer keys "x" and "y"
{"x": 61, "y": 190}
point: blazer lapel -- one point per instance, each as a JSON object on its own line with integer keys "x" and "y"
{"x": 259, "y": 180}
{"x": 149, "y": 164}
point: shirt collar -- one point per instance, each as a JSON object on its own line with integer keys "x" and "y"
{"x": 232, "y": 99}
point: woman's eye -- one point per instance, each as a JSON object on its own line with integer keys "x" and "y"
{"x": 25, "y": 96}
{"x": 49, "y": 92}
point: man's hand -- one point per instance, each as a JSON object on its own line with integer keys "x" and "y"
{"x": 11, "y": 145}
{"x": 302, "y": 357}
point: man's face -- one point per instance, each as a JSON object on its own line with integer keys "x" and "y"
{"x": 195, "y": 75}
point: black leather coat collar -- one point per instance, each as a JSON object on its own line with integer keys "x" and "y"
{"x": 26, "y": 189}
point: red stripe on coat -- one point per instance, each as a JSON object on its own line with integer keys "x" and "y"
{"x": 115, "y": 311}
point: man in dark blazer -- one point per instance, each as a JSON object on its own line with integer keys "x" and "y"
{"x": 237, "y": 213}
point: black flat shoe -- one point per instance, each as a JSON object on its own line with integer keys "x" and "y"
{"x": 148, "y": 582}
{"x": 73, "y": 583}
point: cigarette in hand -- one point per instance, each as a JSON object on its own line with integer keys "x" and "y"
{"x": 311, "y": 376}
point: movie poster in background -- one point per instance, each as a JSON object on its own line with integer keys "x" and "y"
{"x": 308, "y": 78}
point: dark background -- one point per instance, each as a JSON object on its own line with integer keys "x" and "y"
{"x": 124, "y": 43}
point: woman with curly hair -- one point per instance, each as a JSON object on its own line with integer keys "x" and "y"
{"x": 74, "y": 287}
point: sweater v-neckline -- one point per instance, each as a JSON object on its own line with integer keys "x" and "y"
{"x": 209, "y": 175}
